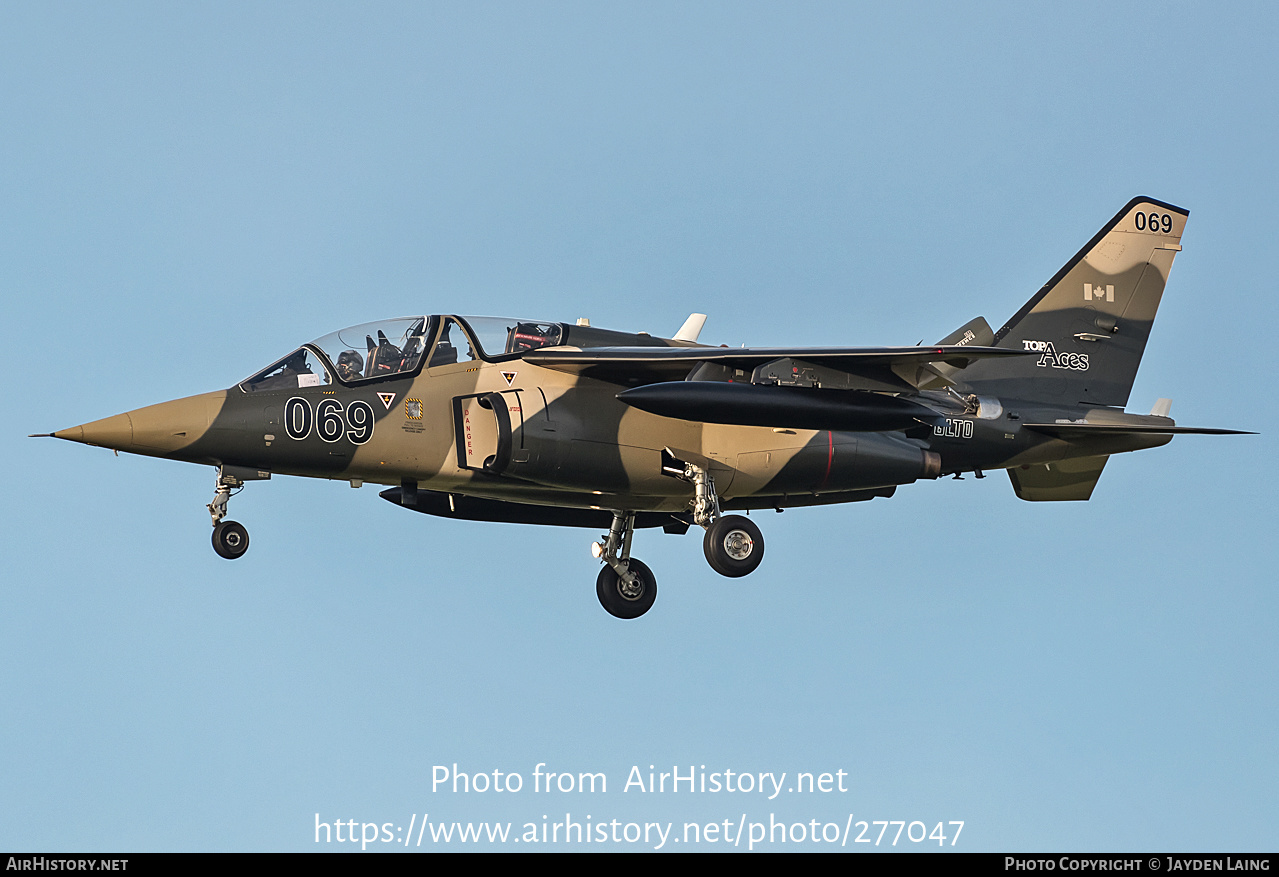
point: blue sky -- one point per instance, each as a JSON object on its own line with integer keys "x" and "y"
{"x": 190, "y": 191}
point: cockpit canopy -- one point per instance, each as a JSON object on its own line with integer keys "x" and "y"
{"x": 376, "y": 350}
{"x": 389, "y": 348}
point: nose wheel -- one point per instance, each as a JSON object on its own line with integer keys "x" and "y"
{"x": 628, "y": 596}
{"x": 230, "y": 539}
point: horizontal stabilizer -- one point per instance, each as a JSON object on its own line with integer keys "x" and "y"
{"x": 1063, "y": 481}
{"x": 975, "y": 333}
{"x": 1080, "y": 430}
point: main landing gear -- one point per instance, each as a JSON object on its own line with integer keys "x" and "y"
{"x": 734, "y": 547}
{"x": 230, "y": 538}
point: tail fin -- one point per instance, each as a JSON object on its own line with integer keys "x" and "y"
{"x": 1090, "y": 322}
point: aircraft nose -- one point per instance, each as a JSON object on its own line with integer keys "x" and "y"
{"x": 110, "y": 432}
{"x": 156, "y": 429}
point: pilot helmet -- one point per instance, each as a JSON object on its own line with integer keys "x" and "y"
{"x": 350, "y": 365}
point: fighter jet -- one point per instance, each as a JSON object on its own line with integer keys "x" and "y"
{"x": 536, "y": 422}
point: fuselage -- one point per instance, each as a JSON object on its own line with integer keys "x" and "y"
{"x": 498, "y": 427}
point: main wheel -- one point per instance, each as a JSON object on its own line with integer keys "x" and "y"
{"x": 626, "y": 601}
{"x": 734, "y": 546}
{"x": 230, "y": 539}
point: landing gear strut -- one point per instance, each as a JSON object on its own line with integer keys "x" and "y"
{"x": 230, "y": 538}
{"x": 626, "y": 587}
{"x": 733, "y": 545}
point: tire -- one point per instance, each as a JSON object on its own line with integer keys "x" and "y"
{"x": 734, "y": 546}
{"x": 608, "y": 587}
{"x": 230, "y": 539}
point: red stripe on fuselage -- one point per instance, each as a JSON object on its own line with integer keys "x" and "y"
{"x": 830, "y": 458}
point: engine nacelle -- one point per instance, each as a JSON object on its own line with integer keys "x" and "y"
{"x": 833, "y": 462}
{"x": 497, "y": 436}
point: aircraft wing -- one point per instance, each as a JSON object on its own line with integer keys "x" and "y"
{"x": 629, "y": 365}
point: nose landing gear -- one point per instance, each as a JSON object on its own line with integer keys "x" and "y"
{"x": 230, "y": 538}
{"x": 626, "y": 587}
